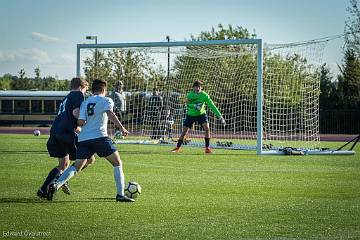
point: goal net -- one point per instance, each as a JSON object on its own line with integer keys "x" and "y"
{"x": 269, "y": 97}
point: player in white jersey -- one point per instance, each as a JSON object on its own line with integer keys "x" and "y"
{"x": 94, "y": 114}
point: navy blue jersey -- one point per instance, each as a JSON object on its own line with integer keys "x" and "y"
{"x": 65, "y": 120}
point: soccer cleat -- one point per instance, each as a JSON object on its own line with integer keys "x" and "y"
{"x": 120, "y": 198}
{"x": 176, "y": 150}
{"x": 41, "y": 194}
{"x": 208, "y": 150}
{"x": 51, "y": 192}
{"x": 65, "y": 188}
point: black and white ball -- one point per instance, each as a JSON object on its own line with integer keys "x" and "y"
{"x": 132, "y": 190}
{"x": 37, "y": 132}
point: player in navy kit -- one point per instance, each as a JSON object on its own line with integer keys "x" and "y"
{"x": 62, "y": 140}
{"x": 94, "y": 114}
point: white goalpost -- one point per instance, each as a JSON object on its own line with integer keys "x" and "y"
{"x": 269, "y": 95}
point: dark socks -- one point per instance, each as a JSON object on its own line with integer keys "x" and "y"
{"x": 179, "y": 143}
{"x": 53, "y": 175}
{"x": 207, "y": 142}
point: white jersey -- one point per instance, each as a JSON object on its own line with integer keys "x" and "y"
{"x": 93, "y": 111}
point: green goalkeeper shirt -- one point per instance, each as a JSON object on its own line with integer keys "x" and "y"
{"x": 196, "y": 104}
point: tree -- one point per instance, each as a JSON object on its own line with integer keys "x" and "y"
{"x": 134, "y": 67}
{"x": 348, "y": 91}
{"x": 222, "y": 33}
{"x": 352, "y": 28}
{"x": 5, "y": 82}
{"x": 37, "y": 73}
{"x": 9, "y": 82}
{"x": 97, "y": 68}
{"x": 22, "y": 73}
{"x": 328, "y": 91}
{"x": 349, "y": 81}
{"x": 21, "y": 82}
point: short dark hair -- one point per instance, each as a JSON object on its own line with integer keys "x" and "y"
{"x": 98, "y": 85}
{"x": 78, "y": 82}
{"x": 197, "y": 84}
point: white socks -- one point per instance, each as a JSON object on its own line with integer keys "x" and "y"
{"x": 69, "y": 173}
{"x": 118, "y": 176}
{"x": 119, "y": 180}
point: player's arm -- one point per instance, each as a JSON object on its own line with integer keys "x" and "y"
{"x": 76, "y": 103}
{"x": 214, "y": 109}
{"x": 108, "y": 108}
{"x": 212, "y": 106}
{"x": 76, "y": 113}
{"x": 113, "y": 118}
{"x": 82, "y": 115}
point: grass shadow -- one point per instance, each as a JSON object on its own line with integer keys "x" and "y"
{"x": 22, "y": 151}
{"x": 35, "y": 200}
{"x": 21, "y": 200}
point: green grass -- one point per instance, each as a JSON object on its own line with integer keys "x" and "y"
{"x": 190, "y": 195}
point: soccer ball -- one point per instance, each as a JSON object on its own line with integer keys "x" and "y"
{"x": 37, "y": 132}
{"x": 132, "y": 190}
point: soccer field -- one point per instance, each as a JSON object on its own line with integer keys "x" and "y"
{"x": 227, "y": 195}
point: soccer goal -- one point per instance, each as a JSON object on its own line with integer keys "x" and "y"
{"x": 268, "y": 93}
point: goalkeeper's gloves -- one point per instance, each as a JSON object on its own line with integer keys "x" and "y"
{"x": 223, "y": 122}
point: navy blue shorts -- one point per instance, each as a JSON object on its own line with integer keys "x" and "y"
{"x": 60, "y": 145}
{"x": 189, "y": 120}
{"x": 103, "y": 147}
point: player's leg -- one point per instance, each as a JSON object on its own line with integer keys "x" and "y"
{"x": 70, "y": 172}
{"x": 63, "y": 165}
{"x": 66, "y": 176}
{"x": 206, "y": 127}
{"x": 189, "y": 121}
{"x": 56, "y": 171}
{"x": 85, "y": 151}
{"x": 80, "y": 166}
{"x": 62, "y": 181}
{"x": 104, "y": 147}
{"x": 56, "y": 149}
{"x": 119, "y": 177}
{"x": 53, "y": 175}
{"x": 71, "y": 147}
{"x": 181, "y": 139}
{"x": 115, "y": 161}
{"x": 170, "y": 134}
{"x": 89, "y": 162}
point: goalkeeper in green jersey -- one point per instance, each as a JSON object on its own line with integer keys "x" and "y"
{"x": 195, "y": 102}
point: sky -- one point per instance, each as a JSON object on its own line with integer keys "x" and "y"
{"x": 44, "y": 33}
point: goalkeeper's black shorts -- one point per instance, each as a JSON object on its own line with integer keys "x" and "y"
{"x": 189, "y": 120}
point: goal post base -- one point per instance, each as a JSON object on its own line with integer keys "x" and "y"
{"x": 310, "y": 152}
